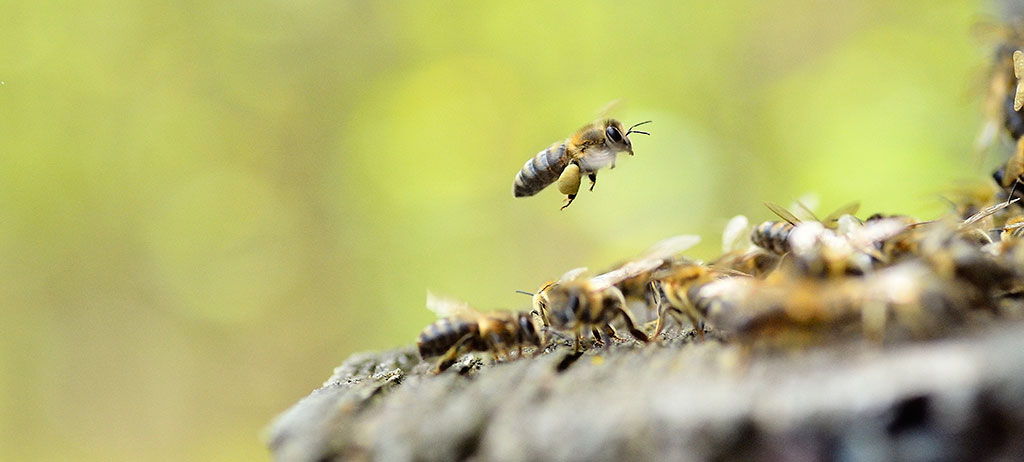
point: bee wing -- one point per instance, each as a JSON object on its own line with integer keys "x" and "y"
{"x": 571, "y": 274}
{"x": 651, "y": 260}
{"x": 806, "y": 209}
{"x": 1012, "y": 226}
{"x": 849, "y": 209}
{"x": 631, "y": 269}
{"x": 782, "y": 212}
{"x": 447, "y": 307}
{"x": 736, "y": 235}
{"x": 985, "y": 212}
{"x": 609, "y": 107}
{"x": 670, "y": 247}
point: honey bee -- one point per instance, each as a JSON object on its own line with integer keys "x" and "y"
{"x": 905, "y": 299}
{"x": 1013, "y": 229}
{"x": 462, "y": 329}
{"x": 640, "y": 285}
{"x": 675, "y": 284}
{"x": 540, "y": 298}
{"x": 774, "y": 236}
{"x": 592, "y": 147}
{"x": 594, "y": 303}
{"x": 739, "y": 254}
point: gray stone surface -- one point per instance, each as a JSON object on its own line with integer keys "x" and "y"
{"x": 960, "y": 398}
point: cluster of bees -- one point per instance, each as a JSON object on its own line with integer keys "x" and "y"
{"x": 796, "y": 280}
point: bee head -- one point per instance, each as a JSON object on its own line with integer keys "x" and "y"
{"x": 527, "y": 330}
{"x": 563, "y": 304}
{"x": 618, "y": 137}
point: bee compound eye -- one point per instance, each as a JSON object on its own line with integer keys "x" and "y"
{"x": 614, "y": 134}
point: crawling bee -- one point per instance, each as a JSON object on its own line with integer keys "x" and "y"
{"x": 675, "y": 284}
{"x": 738, "y": 253}
{"x": 462, "y": 329}
{"x": 592, "y": 147}
{"x": 640, "y": 286}
{"x": 540, "y": 298}
{"x": 634, "y": 284}
{"x": 594, "y": 303}
{"x": 774, "y": 235}
{"x": 904, "y": 300}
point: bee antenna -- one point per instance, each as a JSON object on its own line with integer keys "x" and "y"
{"x": 524, "y": 292}
{"x": 630, "y": 130}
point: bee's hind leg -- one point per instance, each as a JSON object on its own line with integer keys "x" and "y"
{"x": 568, "y": 201}
{"x": 569, "y": 183}
{"x": 610, "y": 332}
{"x": 599, "y": 339}
{"x": 593, "y": 180}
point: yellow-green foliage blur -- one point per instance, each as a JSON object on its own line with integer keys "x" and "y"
{"x": 206, "y": 206}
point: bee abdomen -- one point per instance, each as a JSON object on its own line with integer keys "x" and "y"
{"x": 439, "y": 337}
{"x": 772, "y": 236}
{"x": 703, "y": 302}
{"x": 540, "y": 171}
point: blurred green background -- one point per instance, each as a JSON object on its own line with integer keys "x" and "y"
{"x": 208, "y": 205}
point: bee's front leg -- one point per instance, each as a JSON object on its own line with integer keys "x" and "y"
{"x": 631, "y": 327}
{"x": 598, "y": 336}
{"x": 593, "y": 180}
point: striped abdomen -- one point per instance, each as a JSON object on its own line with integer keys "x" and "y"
{"x": 439, "y": 337}
{"x": 772, "y": 236}
{"x": 540, "y": 171}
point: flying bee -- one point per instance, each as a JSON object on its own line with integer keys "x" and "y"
{"x": 462, "y": 329}
{"x": 592, "y": 147}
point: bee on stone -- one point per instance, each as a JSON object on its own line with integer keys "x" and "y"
{"x": 590, "y": 149}
{"x": 774, "y": 235}
{"x": 462, "y": 329}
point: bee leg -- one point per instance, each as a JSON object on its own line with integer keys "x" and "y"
{"x": 578, "y": 348}
{"x": 569, "y": 183}
{"x": 568, "y": 201}
{"x": 662, "y": 308}
{"x": 451, "y": 355}
{"x": 593, "y": 180}
{"x": 598, "y": 338}
{"x": 543, "y": 318}
{"x": 610, "y": 331}
{"x": 698, "y": 326}
{"x": 631, "y": 327}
